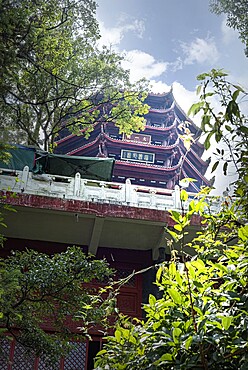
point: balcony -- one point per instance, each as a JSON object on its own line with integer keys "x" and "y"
{"x": 77, "y": 188}
{"x": 86, "y": 212}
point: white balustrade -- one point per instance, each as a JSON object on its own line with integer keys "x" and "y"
{"x": 91, "y": 190}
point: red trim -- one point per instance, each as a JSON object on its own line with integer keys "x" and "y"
{"x": 136, "y": 144}
{"x": 153, "y": 128}
{"x": 147, "y": 167}
{"x": 85, "y": 146}
{"x": 97, "y": 209}
{"x": 161, "y": 111}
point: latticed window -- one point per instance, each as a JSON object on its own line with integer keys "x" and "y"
{"x": 13, "y": 356}
{"x": 4, "y": 353}
{"x": 76, "y": 359}
{"x": 21, "y": 359}
{"x": 43, "y": 364}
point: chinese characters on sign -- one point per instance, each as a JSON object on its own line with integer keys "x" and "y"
{"x": 132, "y": 155}
{"x": 139, "y": 138}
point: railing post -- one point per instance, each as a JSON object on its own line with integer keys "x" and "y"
{"x": 24, "y": 178}
{"x": 77, "y": 183}
{"x": 128, "y": 191}
{"x": 152, "y": 193}
{"x": 102, "y": 191}
{"x": 177, "y": 201}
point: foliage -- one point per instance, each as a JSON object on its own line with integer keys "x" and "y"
{"x": 200, "y": 320}
{"x": 53, "y": 75}
{"x": 237, "y": 16}
{"x": 228, "y": 126}
{"x": 35, "y": 287}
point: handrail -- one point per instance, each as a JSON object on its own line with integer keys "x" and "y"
{"x": 78, "y": 188}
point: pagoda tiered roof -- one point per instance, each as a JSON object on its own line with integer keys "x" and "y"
{"x": 155, "y": 157}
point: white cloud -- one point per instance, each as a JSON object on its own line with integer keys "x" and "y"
{"x": 159, "y": 87}
{"x": 113, "y": 36}
{"x": 177, "y": 65}
{"x": 110, "y": 36}
{"x": 200, "y": 51}
{"x": 185, "y": 98}
{"x": 142, "y": 64}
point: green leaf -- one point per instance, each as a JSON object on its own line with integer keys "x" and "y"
{"x": 228, "y": 128}
{"x": 176, "y": 297}
{"x": 175, "y": 215}
{"x": 205, "y": 121}
{"x": 215, "y": 166}
{"x": 243, "y": 233}
{"x": 172, "y": 269}
{"x": 174, "y": 235}
{"x": 191, "y": 270}
{"x": 178, "y": 227}
{"x": 235, "y": 94}
{"x": 220, "y": 267}
{"x": 188, "y": 342}
{"x": 159, "y": 273}
{"x": 199, "y": 264}
{"x": 202, "y": 76}
{"x": 179, "y": 279}
{"x": 166, "y": 357}
{"x": 232, "y": 109}
{"x": 207, "y": 140}
{"x": 118, "y": 335}
{"x": 195, "y": 108}
{"x": 197, "y": 284}
{"x": 225, "y": 165}
{"x": 198, "y": 89}
{"x": 226, "y": 321}
{"x": 102, "y": 352}
{"x": 152, "y": 300}
{"x": 184, "y": 195}
{"x": 244, "y": 129}
{"x": 175, "y": 334}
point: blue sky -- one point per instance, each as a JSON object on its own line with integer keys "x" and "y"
{"x": 170, "y": 42}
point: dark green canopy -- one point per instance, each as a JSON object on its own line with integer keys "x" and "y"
{"x": 20, "y": 156}
{"x": 63, "y": 165}
{"x": 66, "y": 165}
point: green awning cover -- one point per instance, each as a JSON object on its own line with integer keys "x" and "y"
{"x": 66, "y": 165}
{"x": 55, "y": 164}
{"x": 20, "y": 156}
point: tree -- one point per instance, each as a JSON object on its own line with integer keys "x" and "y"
{"x": 36, "y": 287}
{"x": 200, "y": 322}
{"x": 228, "y": 126}
{"x": 200, "y": 319}
{"x": 54, "y": 76}
{"x": 237, "y": 16}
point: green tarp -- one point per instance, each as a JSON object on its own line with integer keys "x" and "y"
{"x": 63, "y": 165}
{"x": 20, "y": 157}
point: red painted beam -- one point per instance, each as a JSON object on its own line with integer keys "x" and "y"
{"x": 92, "y": 208}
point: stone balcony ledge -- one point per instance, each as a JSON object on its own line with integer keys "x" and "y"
{"x": 77, "y": 188}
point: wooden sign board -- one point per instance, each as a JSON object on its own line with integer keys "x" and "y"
{"x": 138, "y": 138}
{"x": 132, "y": 155}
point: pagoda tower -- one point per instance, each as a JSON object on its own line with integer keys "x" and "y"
{"x": 155, "y": 157}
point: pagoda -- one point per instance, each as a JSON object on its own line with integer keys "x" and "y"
{"x": 118, "y": 213}
{"x": 155, "y": 157}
